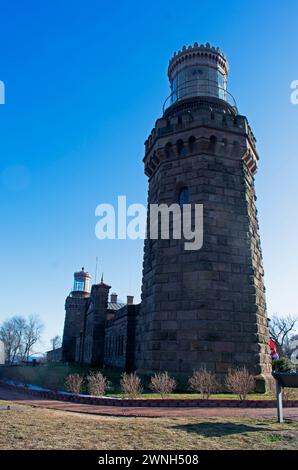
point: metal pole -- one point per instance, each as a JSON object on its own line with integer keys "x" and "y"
{"x": 279, "y": 402}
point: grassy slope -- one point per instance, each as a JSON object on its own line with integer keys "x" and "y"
{"x": 53, "y": 375}
{"x": 24, "y": 427}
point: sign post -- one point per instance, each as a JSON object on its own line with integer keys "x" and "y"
{"x": 283, "y": 379}
{"x": 280, "y": 416}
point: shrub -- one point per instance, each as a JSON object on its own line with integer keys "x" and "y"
{"x": 240, "y": 382}
{"x": 204, "y": 382}
{"x": 162, "y": 383}
{"x": 74, "y": 383}
{"x": 97, "y": 383}
{"x": 131, "y": 384}
{"x": 282, "y": 365}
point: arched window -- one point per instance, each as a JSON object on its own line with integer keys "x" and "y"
{"x": 183, "y": 196}
{"x": 180, "y": 147}
{"x": 212, "y": 143}
{"x": 169, "y": 150}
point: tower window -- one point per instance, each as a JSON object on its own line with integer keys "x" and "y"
{"x": 183, "y": 196}
{"x": 212, "y": 143}
{"x": 169, "y": 150}
{"x": 79, "y": 285}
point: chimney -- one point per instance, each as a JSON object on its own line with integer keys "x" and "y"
{"x": 130, "y": 300}
{"x": 114, "y": 297}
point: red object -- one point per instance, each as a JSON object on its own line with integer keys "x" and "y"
{"x": 274, "y": 353}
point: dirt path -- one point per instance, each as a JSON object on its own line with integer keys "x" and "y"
{"x": 22, "y": 398}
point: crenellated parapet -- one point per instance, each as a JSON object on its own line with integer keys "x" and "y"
{"x": 204, "y": 53}
{"x": 200, "y": 131}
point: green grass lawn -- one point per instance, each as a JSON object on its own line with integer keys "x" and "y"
{"x": 219, "y": 396}
{"x": 24, "y": 427}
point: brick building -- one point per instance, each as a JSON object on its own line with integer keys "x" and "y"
{"x": 54, "y": 355}
{"x": 199, "y": 308}
{"x": 98, "y": 328}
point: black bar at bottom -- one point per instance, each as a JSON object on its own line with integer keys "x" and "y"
{"x": 133, "y": 459}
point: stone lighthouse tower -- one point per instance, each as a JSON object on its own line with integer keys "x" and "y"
{"x": 75, "y": 306}
{"x": 203, "y": 308}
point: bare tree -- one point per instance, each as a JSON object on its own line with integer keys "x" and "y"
{"x": 56, "y": 342}
{"x": 12, "y": 334}
{"x": 32, "y": 334}
{"x": 240, "y": 382}
{"x": 280, "y": 329}
{"x": 74, "y": 383}
{"x": 131, "y": 384}
{"x": 97, "y": 383}
{"x": 162, "y": 383}
{"x": 19, "y": 336}
{"x": 204, "y": 382}
{"x": 7, "y": 336}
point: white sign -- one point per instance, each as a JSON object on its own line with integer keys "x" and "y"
{"x": 294, "y": 94}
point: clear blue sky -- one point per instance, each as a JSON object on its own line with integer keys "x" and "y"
{"x": 85, "y": 82}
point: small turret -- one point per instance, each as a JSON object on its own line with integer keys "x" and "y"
{"x": 198, "y": 71}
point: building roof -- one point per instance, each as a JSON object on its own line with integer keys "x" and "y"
{"x": 115, "y": 305}
{"x": 82, "y": 273}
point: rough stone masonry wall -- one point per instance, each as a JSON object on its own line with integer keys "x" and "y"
{"x": 207, "y": 307}
{"x": 73, "y": 325}
{"x": 258, "y": 276}
{"x": 88, "y": 337}
{"x": 120, "y": 339}
{"x": 94, "y": 335}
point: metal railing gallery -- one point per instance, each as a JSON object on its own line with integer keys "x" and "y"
{"x": 199, "y": 88}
